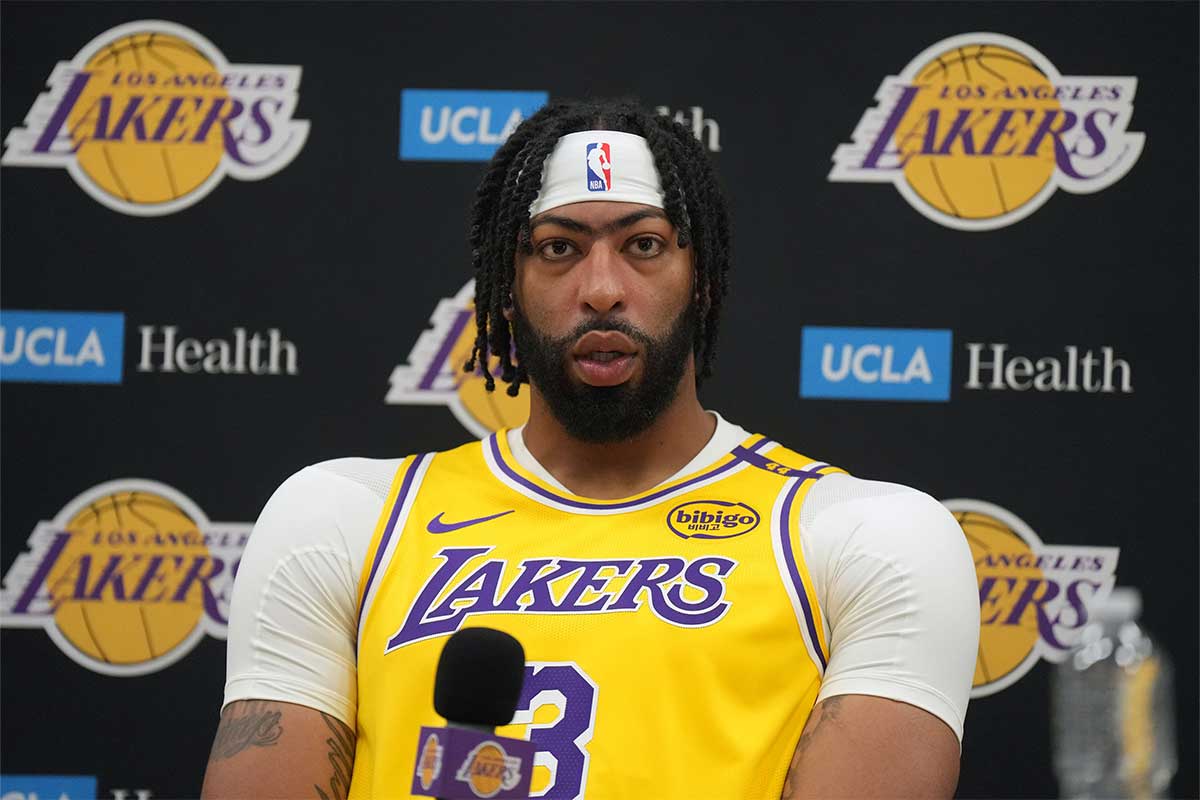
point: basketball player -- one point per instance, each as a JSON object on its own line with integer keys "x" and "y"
{"x": 705, "y": 612}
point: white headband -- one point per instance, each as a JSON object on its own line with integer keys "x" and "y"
{"x": 599, "y": 165}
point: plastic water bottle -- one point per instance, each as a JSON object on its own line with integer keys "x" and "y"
{"x": 1113, "y": 710}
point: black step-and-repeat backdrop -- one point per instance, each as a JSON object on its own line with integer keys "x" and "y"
{"x": 233, "y": 245}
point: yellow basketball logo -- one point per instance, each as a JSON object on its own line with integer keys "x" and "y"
{"x": 429, "y": 766}
{"x": 434, "y": 372}
{"x": 148, "y": 117}
{"x": 1034, "y": 598}
{"x": 127, "y": 577}
{"x": 979, "y": 130}
{"x": 487, "y": 769}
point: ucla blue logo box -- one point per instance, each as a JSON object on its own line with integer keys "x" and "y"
{"x": 48, "y": 787}
{"x": 460, "y": 124}
{"x": 876, "y": 363}
{"x": 61, "y": 346}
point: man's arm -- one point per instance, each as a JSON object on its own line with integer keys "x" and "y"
{"x": 292, "y": 637}
{"x": 859, "y": 746}
{"x": 897, "y": 582}
{"x": 268, "y": 749}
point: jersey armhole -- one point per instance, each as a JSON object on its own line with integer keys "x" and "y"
{"x": 789, "y": 554}
{"x": 371, "y": 562}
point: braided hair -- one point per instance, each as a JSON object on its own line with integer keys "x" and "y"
{"x": 500, "y": 220}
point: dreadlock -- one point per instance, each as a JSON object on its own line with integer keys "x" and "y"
{"x": 500, "y": 220}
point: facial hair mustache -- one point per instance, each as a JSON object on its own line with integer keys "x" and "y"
{"x": 604, "y": 414}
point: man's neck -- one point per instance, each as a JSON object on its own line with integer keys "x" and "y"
{"x": 619, "y": 469}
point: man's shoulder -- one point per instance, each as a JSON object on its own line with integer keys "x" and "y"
{"x": 353, "y": 473}
{"x": 327, "y": 488}
{"x": 376, "y": 475}
{"x": 866, "y": 508}
{"x": 867, "y": 495}
{"x": 853, "y": 496}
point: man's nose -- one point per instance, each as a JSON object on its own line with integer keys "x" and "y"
{"x": 602, "y": 286}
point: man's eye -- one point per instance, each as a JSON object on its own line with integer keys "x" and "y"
{"x": 556, "y": 248}
{"x": 646, "y": 246}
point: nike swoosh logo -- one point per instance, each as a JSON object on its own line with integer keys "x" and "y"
{"x": 437, "y": 526}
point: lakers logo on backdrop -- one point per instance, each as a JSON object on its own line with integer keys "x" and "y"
{"x": 126, "y": 578}
{"x": 149, "y": 117}
{"x": 1034, "y": 598}
{"x": 980, "y": 129}
{"x": 434, "y": 372}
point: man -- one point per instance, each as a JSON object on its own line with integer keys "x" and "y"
{"x": 705, "y": 613}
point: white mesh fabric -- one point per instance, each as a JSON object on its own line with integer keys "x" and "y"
{"x": 374, "y": 474}
{"x": 833, "y": 490}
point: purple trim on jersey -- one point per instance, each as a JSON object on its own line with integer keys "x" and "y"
{"x": 765, "y": 462}
{"x": 401, "y": 496}
{"x": 790, "y": 558}
{"x": 567, "y": 501}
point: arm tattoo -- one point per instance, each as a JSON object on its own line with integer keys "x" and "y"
{"x": 341, "y": 759}
{"x": 825, "y": 710}
{"x": 255, "y": 726}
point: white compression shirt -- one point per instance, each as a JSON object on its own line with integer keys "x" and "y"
{"x": 890, "y": 567}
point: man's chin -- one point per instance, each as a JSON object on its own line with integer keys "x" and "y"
{"x": 603, "y": 415}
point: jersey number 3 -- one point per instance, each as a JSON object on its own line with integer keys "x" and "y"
{"x": 561, "y": 741}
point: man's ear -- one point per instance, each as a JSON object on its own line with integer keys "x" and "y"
{"x": 507, "y": 310}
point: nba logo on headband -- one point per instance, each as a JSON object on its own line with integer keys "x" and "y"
{"x": 599, "y": 167}
{"x": 580, "y": 170}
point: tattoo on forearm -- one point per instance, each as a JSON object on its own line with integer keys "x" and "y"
{"x": 826, "y": 711}
{"x": 341, "y": 759}
{"x": 253, "y": 725}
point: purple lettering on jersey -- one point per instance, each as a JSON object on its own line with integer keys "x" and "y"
{"x": 414, "y": 627}
{"x": 713, "y": 606}
{"x": 648, "y": 577}
{"x": 446, "y": 600}
{"x": 531, "y": 583}
{"x": 588, "y": 580}
{"x": 479, "y": 599}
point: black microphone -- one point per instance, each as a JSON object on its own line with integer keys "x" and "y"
{"x": 479, "y": 679}
{"x": 478, "y": 685}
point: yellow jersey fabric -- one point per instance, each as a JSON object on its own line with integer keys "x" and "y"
{"x": 674, "y": 645}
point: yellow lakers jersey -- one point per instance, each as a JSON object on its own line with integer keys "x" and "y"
{"x": 674, "y": 643}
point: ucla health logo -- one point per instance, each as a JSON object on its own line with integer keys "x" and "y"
{"x": 61, "y": 346}
{"x": 599, "y": 167}
{"x": 126, "y": 578}
{"x": 876, "y": 363}
{"x": 149, "y": 117}
{"x": 461, "y": 124}
{"x": 980, "y": 129}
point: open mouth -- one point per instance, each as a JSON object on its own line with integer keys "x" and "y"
{"x": 604, "y": 358}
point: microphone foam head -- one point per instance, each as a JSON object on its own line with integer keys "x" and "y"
{"x": 479, "y": 677}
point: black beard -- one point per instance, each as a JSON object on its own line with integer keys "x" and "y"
{"x": 605, "y": 414}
